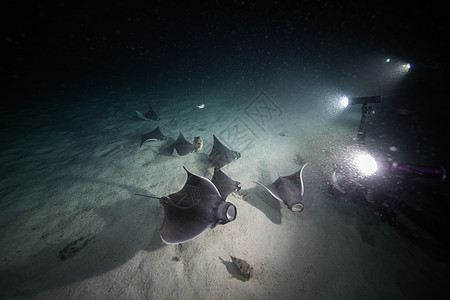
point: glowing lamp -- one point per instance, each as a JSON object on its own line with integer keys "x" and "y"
{"x": 366, "y": 164}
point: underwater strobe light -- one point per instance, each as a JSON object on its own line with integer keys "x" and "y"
{"x": 343, "y": 102}
{"x": 405, "y": 67}
{"x": 398, "y": 67}
{"x": 352, "y": 171}
{"x": 346, "y": 101}
{"x": 366, "y": 164}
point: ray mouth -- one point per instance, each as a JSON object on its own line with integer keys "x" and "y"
{"x": 297, "y": 207}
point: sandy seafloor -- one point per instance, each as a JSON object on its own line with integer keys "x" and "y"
{"x": 72, "y": 165}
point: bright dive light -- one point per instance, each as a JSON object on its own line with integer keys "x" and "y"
{"x": 406, "y": 67}
{"x": 343, "y": 101}
{"x": 366, "y": 164}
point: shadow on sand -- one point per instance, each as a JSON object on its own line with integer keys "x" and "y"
{"x": 262, "y": 200}
{"x": 130, "y": 225}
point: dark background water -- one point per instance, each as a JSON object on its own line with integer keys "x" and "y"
{"x": 65, "y": 45}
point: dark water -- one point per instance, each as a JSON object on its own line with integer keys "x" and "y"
{"x": 59, "y": 56}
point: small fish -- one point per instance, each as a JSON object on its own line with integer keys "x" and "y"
{"x": 243, "y": 268}
{"x": 74, "y": 247}
{"x": 198, "y": 106}
{"x": 198, "y": 143}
